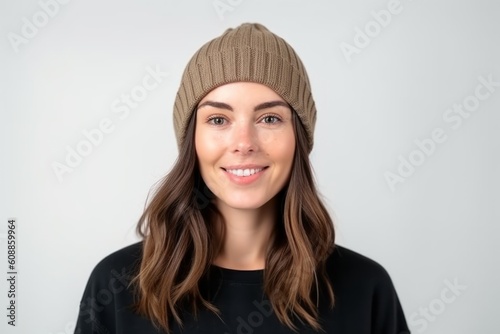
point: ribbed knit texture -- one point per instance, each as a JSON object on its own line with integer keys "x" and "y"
{"x": 250, "y": 53}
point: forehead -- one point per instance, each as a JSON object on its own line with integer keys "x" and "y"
{"x": 242, "y": 92}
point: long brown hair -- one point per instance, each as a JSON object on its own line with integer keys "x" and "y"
{"x": 181, "y": 241}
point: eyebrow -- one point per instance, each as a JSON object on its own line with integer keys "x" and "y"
{"x": 261, "y": 106}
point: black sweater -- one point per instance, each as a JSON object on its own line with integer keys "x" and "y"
{"x": 365, "y": 300}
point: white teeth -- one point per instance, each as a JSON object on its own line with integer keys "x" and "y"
{"x": 244, "y": 172}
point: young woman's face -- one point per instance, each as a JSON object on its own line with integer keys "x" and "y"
{"x": 245, "y": 144}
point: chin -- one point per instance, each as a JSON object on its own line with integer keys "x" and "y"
{"x": 245, "y": 203}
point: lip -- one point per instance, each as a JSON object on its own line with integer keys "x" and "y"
{"x": 252, "y": 166}
{"x": 244, "y": 180}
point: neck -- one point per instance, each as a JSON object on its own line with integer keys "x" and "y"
{"x": 247, "y": 235}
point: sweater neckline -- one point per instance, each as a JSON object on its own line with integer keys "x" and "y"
{"x": 235, "y": 275}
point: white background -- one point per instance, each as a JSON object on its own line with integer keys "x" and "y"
{"x": 440, "y": 224}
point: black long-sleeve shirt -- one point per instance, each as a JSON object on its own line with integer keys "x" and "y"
{"x": 365, "y": 300}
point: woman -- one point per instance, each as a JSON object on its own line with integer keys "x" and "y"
{"x": 236, "y": 238}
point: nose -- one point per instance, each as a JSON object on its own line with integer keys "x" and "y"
{"x": 244, "y": 139}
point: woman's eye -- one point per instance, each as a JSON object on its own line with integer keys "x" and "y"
{"x": 270, "y": 119}
{"x": 216, "y": 121}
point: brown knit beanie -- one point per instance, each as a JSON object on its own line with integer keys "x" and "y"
{"x": 251, "y": 53}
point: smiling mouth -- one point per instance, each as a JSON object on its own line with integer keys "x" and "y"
{"x": 244, "y": 172}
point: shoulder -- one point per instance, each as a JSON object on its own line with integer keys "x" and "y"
{"x": 353, "y": 260}
{"x": 123, "y": 257}
{"x": 108, "y": 295}
{"x": 120, "y": 265}
{"x": 364, "y": 293}
{"x": 346, "y": 265}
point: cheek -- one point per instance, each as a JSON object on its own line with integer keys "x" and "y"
{"x": 282, "y": 148}
{"x": 208, "y": 146}
{"x": 200, "y": 147}
{"x": 288, "y": 153}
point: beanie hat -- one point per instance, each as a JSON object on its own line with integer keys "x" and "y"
{"x": 250, "y": 53}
